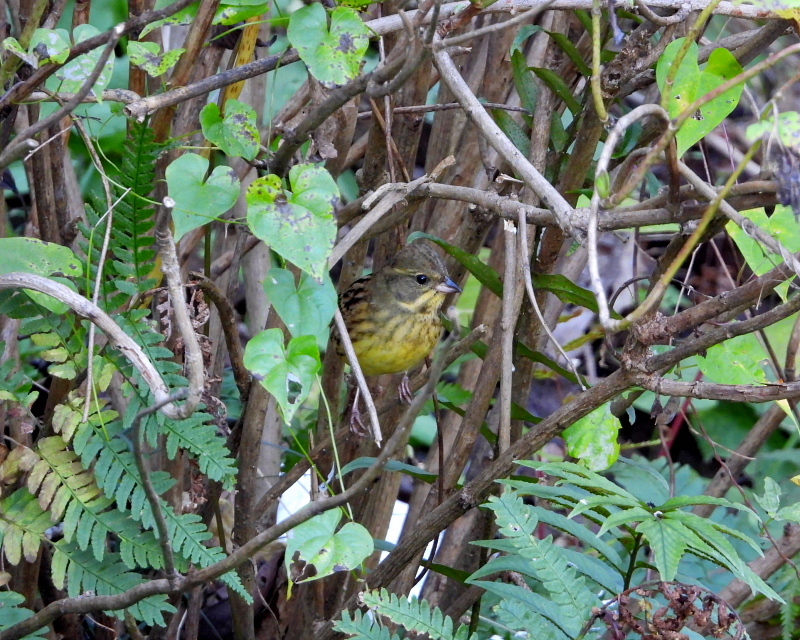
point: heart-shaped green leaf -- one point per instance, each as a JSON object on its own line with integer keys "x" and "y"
{"x": 198, "y": 201}
{"x": 333, "y": 56}
{"x": 236, "y": 133}
{"x": 305, "y": 308}
{"x": 148, "y": 56}
{"x": 286, "y": 372}
{"x": 75, "y": 73}
{"x": 29, "y": 255}
{"x": 317, "y": 542}
{"x": 691, "y": 83}
{"x": 298, "y": 224}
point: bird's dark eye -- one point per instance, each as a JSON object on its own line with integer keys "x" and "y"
{"x": 421, "y": 278}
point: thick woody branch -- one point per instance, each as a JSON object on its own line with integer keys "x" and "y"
{"x": 665, "y": 361}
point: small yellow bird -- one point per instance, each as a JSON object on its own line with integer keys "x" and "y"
{"x": 392, "y": 316}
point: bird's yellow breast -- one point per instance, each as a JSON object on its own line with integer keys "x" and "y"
{"x": 391, "y": 343}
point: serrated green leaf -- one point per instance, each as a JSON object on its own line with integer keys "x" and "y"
{"x": 669, "y": 541}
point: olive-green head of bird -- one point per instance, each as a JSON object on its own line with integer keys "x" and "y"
{"x": 415, "y": 280}
{"x": 392, "y": 314}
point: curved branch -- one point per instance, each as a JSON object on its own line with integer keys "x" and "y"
{"x": 96, "y": 315}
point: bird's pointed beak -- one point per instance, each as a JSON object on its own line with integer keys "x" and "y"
{"x": 448, "y": 286}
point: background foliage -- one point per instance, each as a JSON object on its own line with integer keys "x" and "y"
{"x": 604, "y": 445}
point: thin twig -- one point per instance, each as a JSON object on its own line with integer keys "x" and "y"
{"x": 663, "y": 21}
{"x": 149, "y": 489}
{"x": 347, "y": 344}
{"x": 192, "y": 353}
{"x": 526, "y": 270}
{"x": 507, "y": 325}
{"x": 498, "y": 26}
{"x": 427, "y": 108}
{"x": 500, "y": 142}
{"x": 15, "y": 147}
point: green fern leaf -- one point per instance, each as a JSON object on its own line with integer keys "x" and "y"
{"x": 11, "y": 613}
{"x": 131, "y": 249}
{"x": 22, "y": 526}
{"x": 79, "y": 571}
{"x": 519, "y": 618}
{"x": 413, "y": 614}
{"x": 15, "y": 386}
{"x": 363, "y": 627}
{"x": 566, "y": 587}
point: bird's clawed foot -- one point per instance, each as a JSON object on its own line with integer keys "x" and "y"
{"x": 356, "y": 425}
{"x": 405, "y": 390}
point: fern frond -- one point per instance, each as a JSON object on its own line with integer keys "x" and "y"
{"x": 196, "y": 434}
{"x": 413, "y": 614}
{"x": 517, "y": 617}
{"x": 104, "y": 448}
{"x": 790, "y": 610}
{"x": 11, "y": 613}
{"x": 15, "y": 386}
{"x": 131, "y": 249}
{"x": 79, "y": 571}
{"x": 546, "y": 562}
{"x": 361, "y": 627}
{"x": 68, "y": 490}
{"x": 22, "y": 526}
